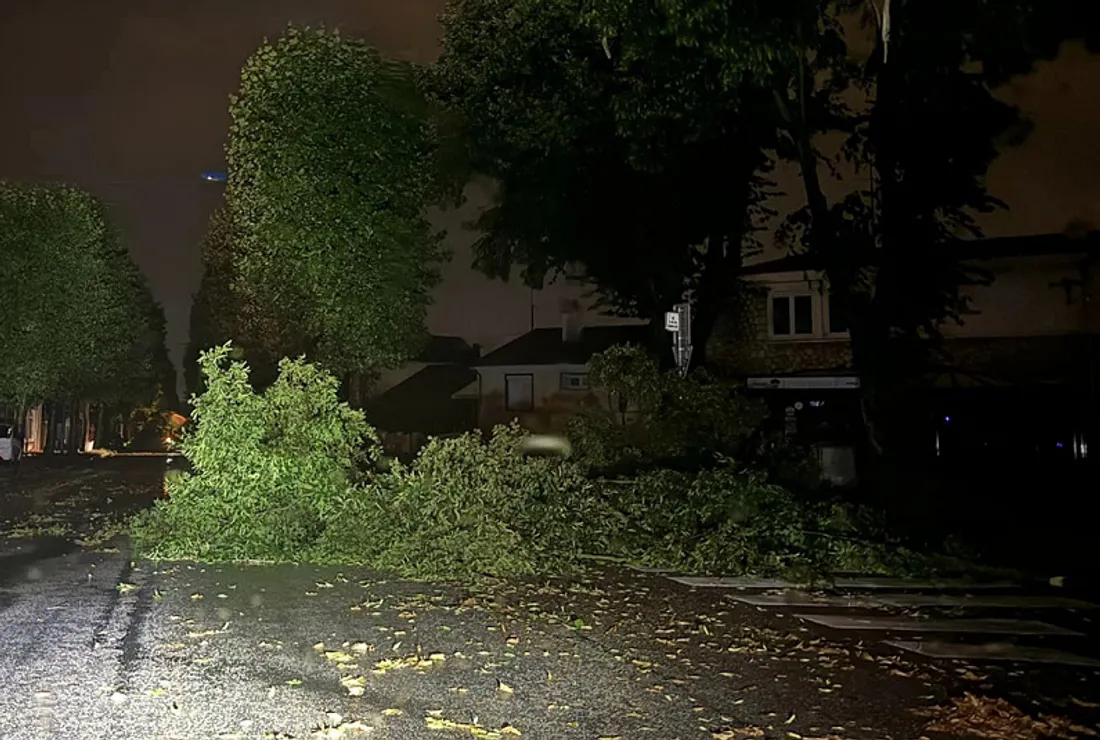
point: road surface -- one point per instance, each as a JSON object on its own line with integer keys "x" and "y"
{"x": 94, "y": 645}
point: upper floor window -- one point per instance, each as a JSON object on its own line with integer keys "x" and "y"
{"x": 792, "y": 315}
{"x": 805, "y": 315}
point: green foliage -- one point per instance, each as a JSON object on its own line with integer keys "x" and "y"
{"x": 718, "y": 520}
{"x": 222, "y": 312}
{"x": 214, "y": 309}
{"x": 79, "y": 321}
{"x": 731, "y": 520}
{"x": 282, "y": 476}
{"x": 332, "y": 163}
{"x": 465, "y": 508}
{"x": 268, "y": 469}
{"x": 682, "y": 420}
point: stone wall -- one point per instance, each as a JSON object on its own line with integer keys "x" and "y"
{"x": 740, "y": 345}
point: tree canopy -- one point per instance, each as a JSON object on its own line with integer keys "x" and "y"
{"x": 923, "y": 140}
{"x": 642, "y": 169}
{"x": 79, "y": 320}
{"x": 221, "y": 312}
{"x": 332, "y": 163}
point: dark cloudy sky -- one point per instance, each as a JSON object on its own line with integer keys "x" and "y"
{"x": 129, "y": 98}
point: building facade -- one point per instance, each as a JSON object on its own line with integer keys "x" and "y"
{"x": 1021, "y": 373}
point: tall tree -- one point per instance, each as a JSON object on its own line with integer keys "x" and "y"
{"x": 927, "y": 134}
{"x": 639, "y": 167}
{"x": 221, "y": 312}
{"x": 214, "y": 311}
{"x": 332, "y": 163}
{"x": 80, "y": 323}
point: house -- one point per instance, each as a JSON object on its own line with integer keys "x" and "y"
{"x": 541, "y": 377}
{"x": 1023, "y": 375}
{"x": 417, "y": 400}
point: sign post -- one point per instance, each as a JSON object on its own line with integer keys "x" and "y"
{"x": 678, "y": 321}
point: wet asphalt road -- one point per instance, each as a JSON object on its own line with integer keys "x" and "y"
{"x": 95, "y": 646}
{"x": 194, "y": 652}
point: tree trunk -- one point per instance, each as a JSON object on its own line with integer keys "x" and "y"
{"x": 47, "y": 421}
{"x": 100, "y": 435}
{"x": 72, "y": 428}
{"x": 824, "y": 240}
{"x": 21, "y": 419}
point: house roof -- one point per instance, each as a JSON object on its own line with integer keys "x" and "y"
{"x": 422, "y": 402}
{"x": 970, "y": 249}
{"x": 546, "y": 346}
{"x": 447, "y": 349}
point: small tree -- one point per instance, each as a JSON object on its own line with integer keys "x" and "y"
{"x": 685, "y": 421}
{"x": 268, "y": 468}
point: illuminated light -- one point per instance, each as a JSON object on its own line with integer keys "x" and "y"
{"x": 947, "y": 419}
{"x": 546, "y": 445}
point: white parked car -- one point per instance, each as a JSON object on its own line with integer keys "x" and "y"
{"x": 11, "y": 445}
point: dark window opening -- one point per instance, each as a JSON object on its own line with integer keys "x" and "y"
{"x": 792, "y": 315}
{"x": 519, "y": 392}
{"x": 803, "y": 314}
{"x": 781, "y": 316}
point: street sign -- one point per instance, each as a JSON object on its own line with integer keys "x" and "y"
{"x": 678, "y": 321}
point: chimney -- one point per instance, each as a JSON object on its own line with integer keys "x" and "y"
{"x": 572, "y": 325}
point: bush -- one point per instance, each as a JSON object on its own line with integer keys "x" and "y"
{"x": 717, "y": 520}
{"x": 464, "y": 508}
{"x": 732, "y": 521}
{"x": 268, "y": 469}
{"x": 679, "y": 422}
{"x": 283, "y": 476}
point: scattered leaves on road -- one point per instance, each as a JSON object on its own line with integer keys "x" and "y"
{"x": 355, "y": 685}
{"x": 437, "y": 722}
{"x": 997, "y": 719}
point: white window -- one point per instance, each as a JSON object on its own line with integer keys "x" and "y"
{"x": 574, "y": 381}
{"x": 792, "y": 315}
{"x": 805, "y": 315}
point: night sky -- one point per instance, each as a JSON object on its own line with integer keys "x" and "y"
{"x": 130, "y": 101}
